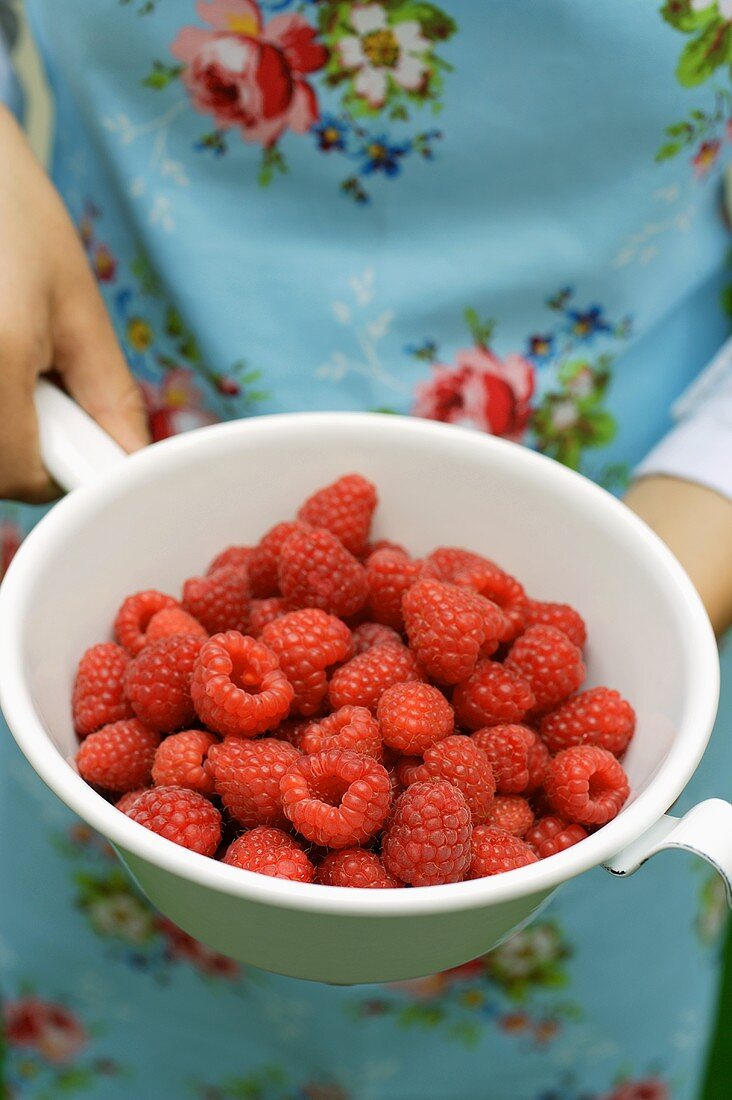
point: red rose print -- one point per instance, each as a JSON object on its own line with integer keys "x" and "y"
{"x": 208, "y": 961}
{"x": 251, "y": 75}
{"x": 48, "y": 1028}
{"x": 649, "y": 1089}
{"x": 175, "y": 405}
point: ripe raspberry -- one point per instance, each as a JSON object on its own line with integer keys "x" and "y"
{"x": 518, "y": 756}
{"x": 180, "y": 815}
{"x": 118, "y": 757}
{"x": 504, "y": 590}
{"x": 307, "y": 643}
{"x": 268, "y": 851}
{"x": 461, "y": 762}
{"x": 265, "y": 558}
{"x": 551, "y": 664}
{"x": 390, "y": 574}
{"x": 492, "y": 694}
{"x": 550, "y": 835}
{"x": 362, "y": 681}
{"x": 512, "y": 813}
{"x": 98, "y": 697}
{"x": 448, "y": 627}
{"x": 427, "y": 839}
{"x": 134, "y": 616}
{"x": 348, "y": 728}
{"x": 447, "y": 562}
{"x": 344, "y": 508}
{"x": 233, "y": 555}
{"x": 355, "y": 868}
{"x": 383, "y": 544}
{"x": 406, "y": 770}
{"x": 598, "y": 716}
{"x": 586, "y": 784}
{"x": 495, "y": 850}
{"x": 560, "y": 615}
{"x": 173, "y": 620}
{"x": 315, "y": 570}
{"x": 123, "y": 804}
{"x": 246, "y": 776}
{"x": 158, "y": 682}
{"x": 220, "y": 600}
{"x": 291, "y": 730}
{"x": 413, "y": 716}
{"x": 368, "y": 635}
{"x": 336, "y": 798}
{"x": 238, "y": 687}
{"x": 179, "y": 761}
{"x": 266, "y": 611}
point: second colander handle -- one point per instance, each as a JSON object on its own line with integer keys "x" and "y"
{"x": 74, "y": 448}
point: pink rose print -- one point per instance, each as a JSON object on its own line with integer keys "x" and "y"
{"x": 705, "y": 157}
{"x": 46, "y": 1027}
{"x": 251, "y": 75}
{"x": 175, "y": 404}
{"x": 208, "y": 961}
{"x": 649, "y": 1089}
{"x": 481, "y": 391}
{"x": 10, "y": 539}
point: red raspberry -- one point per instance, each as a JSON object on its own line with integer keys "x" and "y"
{"x": 447, "y": 562}
{"x": 383, "y": 544}
{"x": 495, "y": 850}
{"x": 246, "y": 777}
{"x": 390, "y": 574}
{"x": 266, "y": 611}
{"x": 461, "y": 762}
{"x": 180, "y": 815}
{"x": 413, "y": 716}
{"x": 448, "y": 627}
{"x": 158, "y": 682}
{"x": 315, "y": 570}
{"x": 368, "y": 635}
{"x": 179, "y": 761}
{"x": 586, "y": 784}
{"x": 306, "y": 644}
{"x": 512, "y": 813}
{"x": 123, "y": 804}
{"x": 238, "y": 686}
{"x": 348, "y": 728}
{"x": 550, "y": 835}
{"x": 220, "y": 601}
{"x": 98, "y": 697}
{"x": 518, "y": 756}
{"x": 427, "y": 839}
{"x": 502, "y": 589}
{"x": 291, "y": 730}
{"x": 265, "y": 559}
{"x": 599, "y": 716}
{"x": 233, "y": 555}
{"x": 336, "y": 798}
{"x": 492, "y": 694}
{"x": 344, "y": 508}
{"x": 355, "y": 868}
{"x": 173, "y": 620}
{"x": 118, "y": 757}
{"x": 268, "y": 851}
{"x": 560, "y": 615}
{"x": 362, "y": 681}
{"x": 135, "y": 614}
{"x": 406, "y": 770}
{"x": 551, "y": 664}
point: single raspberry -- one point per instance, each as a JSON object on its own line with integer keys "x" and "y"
{"x": 560, "y": 615}
{"x": 362, "y": 681}
{"x": 383, "y": 544}
{"x": 265, "y": 557}
{"x": 173, "y": 620}
{"x": 550, "y": 835}
{"x": 246, "y": 776}
{"x": 598, "y": 716}
{"x": 344, "y": 508}
{"x": 492, "y": 694}
{"x": 306, "y": 644}
{"x": 518, "y": 756}
{"x": 413, "y": 716}
{"x": 238, "y": 686}
{"x": 233, "y": 555}
{"x": 179, "y": 761}
{"x": 551, "y": 664}
{"x": 336, "y": 798}
{"x": 291, "y": 730}
{"x": 501, "y": 588}
{"x": 134, "y": 616}
{"x": 406, "y": 770}
{"x": 355, "y": 868}
{"x": 447, "y": 562}
{"x": 266, "y": 611}
{"x": 586, "y": 784}
{"x": 158, "y": 682}
{"x": 427, "y": 839}
{"x": 123, "y": 804}
{"x": 180, "y": 815}
{"x": 390, "y": 574}
{"x": 268, "y": 851}
{"x": 448, "y": 627}
{"x": 495, "y": 850}
{"x": 99, "y": 697}
{"x": 118, "y": 757}
{"x": 512, "y": 813}
{"x": 368, "y": 635}
{"x": 315, "y": 570}
{"x": 220, "y": 600}
{"x": 347, "y": 728}
{"x": 461, "y": 762}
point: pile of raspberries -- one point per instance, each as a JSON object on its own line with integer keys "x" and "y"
{"x": 327, "y": 709}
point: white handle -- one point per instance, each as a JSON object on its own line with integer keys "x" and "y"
{"x": 706, "y": 830}
{"x": 73, "y": 447}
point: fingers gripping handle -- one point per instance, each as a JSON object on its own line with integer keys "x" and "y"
{"x": 74, "y": 449}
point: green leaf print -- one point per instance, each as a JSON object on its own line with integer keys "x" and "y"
{"x": 681, "y": 15}
{"x": 703, "y": 55}
{"x": 670, "y": 149}
{"x": 161, "y": 75}
{"x": 436, "y": 24}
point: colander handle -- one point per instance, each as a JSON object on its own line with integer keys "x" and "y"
{"x": 706, "y": 830}
{"x": 73, "y": 447}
